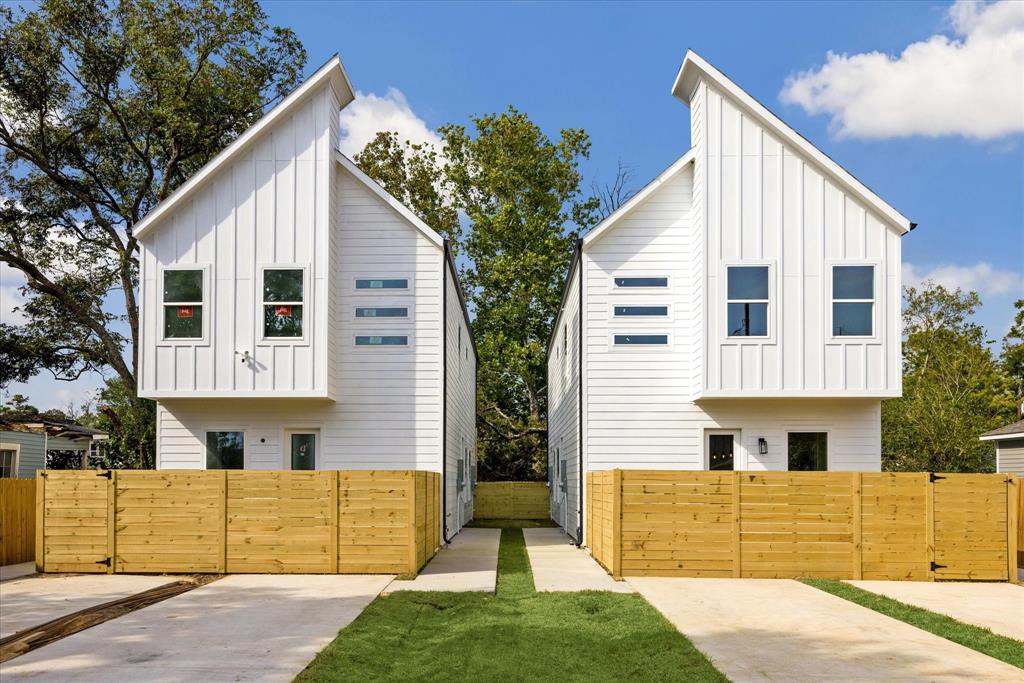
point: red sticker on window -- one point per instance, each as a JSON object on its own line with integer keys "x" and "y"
{"x": 184, "y": 311}
{"x": 283, "y": 311}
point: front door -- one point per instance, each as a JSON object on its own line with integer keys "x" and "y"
{"x": 302, "y": 447}
{"x": 721, "y": 448}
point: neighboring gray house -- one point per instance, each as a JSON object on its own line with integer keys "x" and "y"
{"x": 1009, "y": 447}
{"x": 25, "y": 439}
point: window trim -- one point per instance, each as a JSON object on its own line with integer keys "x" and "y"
{"x": 724, "y": 302}
{"x": 226, "y": 428}
{"x": 207, "y": 305}
{"x": 306, "y": 303}
{"x": 384, "y": 347}
{"x": 410, "y": 284}
{"x": 667, "y": 289}
{"x": 808, "y": 429}
{"x": 876, "y": 302}
{"x": 739, "y": 452}
{"x": 16, "y": 463}
{"x": 286, "y": 430}
{"x": 377, "y": 319}
{"x": 667, "y": 346}
{"x": 632, "y": 319}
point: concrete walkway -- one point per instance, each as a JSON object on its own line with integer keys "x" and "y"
{"x": 780, "y": 630}
{"x": 469, "y": 563}
{"x": 240, "y": 628}
{"x": 35, "y": 600}
{"x": 558, "y": 565}
{"x": 16, "y": 571}
{"x": 995, "y": 606}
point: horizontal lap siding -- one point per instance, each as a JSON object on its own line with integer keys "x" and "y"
{"x": 31, "y": 451}
{"x": 460, "y": 415}
{"x": 563, "y": 410}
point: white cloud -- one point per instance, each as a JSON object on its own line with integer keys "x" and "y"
{"x": 11, "y": 281}
{"x": 370, "y": 113}
{"x": 981, "y": 277}
{"x": 971, "y": 84}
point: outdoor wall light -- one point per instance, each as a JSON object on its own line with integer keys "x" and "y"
{"x": 762, "y": 445}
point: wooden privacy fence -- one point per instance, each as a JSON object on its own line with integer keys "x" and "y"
{"x": 511, "y": 500}
{"x": 843, "y": 525}
{"x": 17, "y": 520}
{"x": 237, "y": 521}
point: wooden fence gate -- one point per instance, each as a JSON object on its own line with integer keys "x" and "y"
{"x": 970, "y": 522}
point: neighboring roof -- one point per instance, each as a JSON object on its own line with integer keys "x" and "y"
{"x": 695, "y": 67}
{"x": 32, "y": 422}
{"x": 383, "y": 194}
{"x": 645, "y": 192}
{"x": 332, "y": 72}
{"x": 1014, "y": 430}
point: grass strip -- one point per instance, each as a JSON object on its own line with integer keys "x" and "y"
{"x": 511, "y": 524}
{"x": 975, "y": 637}
{"x": 514, "y": 635}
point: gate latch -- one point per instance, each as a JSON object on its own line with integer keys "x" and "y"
{"x": 105, "y": 561}
{"x": 936, "y": 565}
{"x": 932, "y": 477}
{"x": 106, "y": 474}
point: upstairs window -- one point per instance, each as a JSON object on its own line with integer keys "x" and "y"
{"x": 853, "y": 301}
{"x": 382, "y": 340}
{"x": 382, "y": 312}
{"x": 623, "y": 311}
{"x": 747, "y": 301}
{"x": 641, "y": 282}
{"x": 183, "y": 304}
{"x": 641, "y": 339}
{"x": 282, "y": 303}
{"x": 393, "y": 283}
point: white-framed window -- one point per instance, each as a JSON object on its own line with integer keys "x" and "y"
{"x": 283, "y": 295}
{"x": 381, "y": 312}
{"x": 807, "y": 451}
{"x": 390, "y": 340}
{"x": 9, "y": 453}
{"x": 225, "y": 449}
{"x": 183, "y": 303}
{"x": 853, "y": 300}
{"x": 638, "y": 282}
{"x": 641, "y": 339}
{"x": 381, "y": 284}
{"x": 639, "y": 310}
{"x": 748, "y": 300}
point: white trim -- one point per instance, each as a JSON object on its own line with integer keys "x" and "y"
{"x": 220, "y": 427}
{"x": 641, "y": 289}
{"x": 206, "y": 305}
{"x": 614, "y": 317}
{"x": 1009, "y": 436}
{"x": 379, "y": 347}
{"x": 723, "y": 303}
{"x": 240, "y": 393}
{"x": 398, "y": 206}
{"x": 808, "y": 429}
{"x": 739, "y": 452}
{"x": 667, "y": 346}
{"x": 381, "y": 318}
{"x": 394, "y": 291}
{"x": 645, "y": 192}
{"x": 694, "y": 66}
{"x": 16, "y": 463}
{"x": 315, "y": 428}
{"x": 261, "y": 339}
{"x": 830, "y": 301}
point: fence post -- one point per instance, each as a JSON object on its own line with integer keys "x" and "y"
{"x": 616, "y": 524}
{"x": 412, "y": 522}
{"x": 737, "y": 546}
{"x": 929, "y": 521}
{"x": 333, "y": 474}
{"x": 858, "y": 518}
{"x": 40, "y": 520}
{"x": 112, "y": 520}
{"x": 1012, "y": 521}
{"x": 222, "y": 562}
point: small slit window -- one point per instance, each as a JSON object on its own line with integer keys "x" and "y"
{"x": 641, "y": 282}
{"x": 383, "y": 283}
{"x": 641, "y": 339}
{"x": 183, "y": 304}
{"x": 382, "y": 340}
{"x": 382, "y": 312}
{"x": 853, "y": 301}
{"x": 628, "y": 311}
{"x": 747, "y": 296}
{"x": 282, "y": 303}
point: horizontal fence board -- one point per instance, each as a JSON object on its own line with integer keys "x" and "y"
{"x": 511, "y": 500}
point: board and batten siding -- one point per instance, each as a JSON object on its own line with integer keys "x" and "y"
{"x": 270, "y": 206}
{"x": 762, "y": 201}
{"x": 563, "y": 409}
{"x": 387, "y": 409}
{"x": 460, "y": 396}
{"x": 1010, "y": 456}
{"x": 31, "y": 450}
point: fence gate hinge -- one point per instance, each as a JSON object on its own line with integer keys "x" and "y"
{"x": 936, "y": 565}
{"x": 105, "y": 562}
{"x": 106, "y": 474}
{"x": 932, "y": 477}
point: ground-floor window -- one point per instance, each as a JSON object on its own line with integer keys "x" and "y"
{"x": 721, "y": 452}
{"x": 225, "y": 450}
{"x": 8, "y": 463}
{"x": 808, "y": 451}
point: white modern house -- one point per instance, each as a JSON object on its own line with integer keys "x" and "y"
{"x": 742, "y": 311}
{"x": 296, "y": 316}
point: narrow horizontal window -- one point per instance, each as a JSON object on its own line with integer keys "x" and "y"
{"x": 641, "y": 310}
{"x": 375, "y": 312}
{"x": 853, "y": 301}
{"x": 282, "y": 303}
{"x": 225, "y": 450}
{"x": 183, "y": 304}
{"x": 747, "y": 301}
{"x": 382, "y": 340}
{"x": 637, "y": 339}
{"x": 395, "y": 283}
{"x": 641, "y": 282}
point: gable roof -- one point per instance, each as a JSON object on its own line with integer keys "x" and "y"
{"x": 1014, "y": 430}
{"x": 388, "y": 199}
{"x": 696, "y": 67}
{"x": 332, "y": 72}
{"x": 645, "y": 192}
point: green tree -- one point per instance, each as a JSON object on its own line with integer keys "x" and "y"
{"x": 953, "y": 388}
{"x": 106, "y": 106}
{"x": 1013, "y": 352}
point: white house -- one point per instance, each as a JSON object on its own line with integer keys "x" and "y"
{"x": 742, "y": 311}
{"x": 296, "y": 316}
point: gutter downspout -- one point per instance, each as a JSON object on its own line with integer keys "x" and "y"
{"x": 444, "y": 394}
{"x": 579, "y": 439}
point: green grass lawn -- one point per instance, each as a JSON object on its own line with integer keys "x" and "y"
{"x": 518, "y": 634}
{"x": 981, "y": 639}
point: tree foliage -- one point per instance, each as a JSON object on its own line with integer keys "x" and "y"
{"x": 953, "y": 388}
{"x": 1013, "y": 352}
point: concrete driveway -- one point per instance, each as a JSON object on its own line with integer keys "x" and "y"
{"x": 781, "y": 630}
{"x": 240, "y": 628}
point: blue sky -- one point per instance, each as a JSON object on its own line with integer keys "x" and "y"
{"x": 608, "y": 68}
